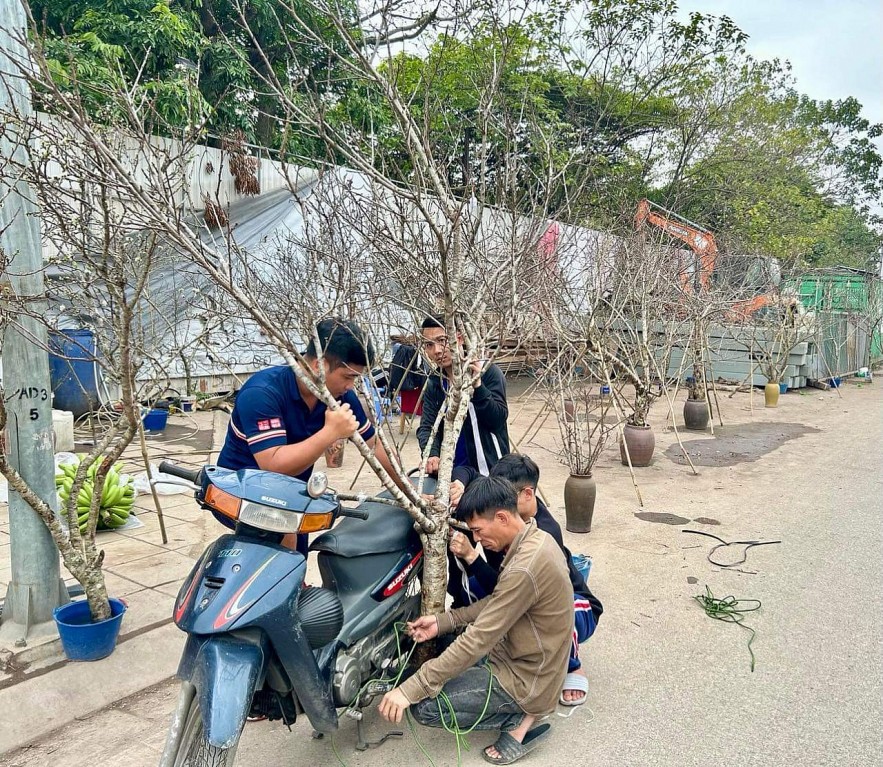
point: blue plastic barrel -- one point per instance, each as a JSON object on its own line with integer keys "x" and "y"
{"x": 72, "y": 371}
{"x": 82, "y": 639}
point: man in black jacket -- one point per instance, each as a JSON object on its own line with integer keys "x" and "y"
{"x": 484, "y": 438}
{"x": 482, "y": 574}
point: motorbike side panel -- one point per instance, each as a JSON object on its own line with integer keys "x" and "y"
{"x": 355, "y": 579}
{"x": 311, "y": 688}
{"x": 226, "y": 589}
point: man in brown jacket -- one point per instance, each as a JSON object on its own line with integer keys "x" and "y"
{"x": 523, "y": 630}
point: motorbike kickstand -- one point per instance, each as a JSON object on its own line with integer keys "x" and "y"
{"x": 364, "y": 745}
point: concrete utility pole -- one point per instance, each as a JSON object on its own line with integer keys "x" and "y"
{"x": 35, "y": 588}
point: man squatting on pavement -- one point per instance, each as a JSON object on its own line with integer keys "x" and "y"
{"x": 505, "y": 670}
{"x": 480, "y": 575}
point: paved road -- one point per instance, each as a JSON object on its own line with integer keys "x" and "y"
{"x": 670, "y": 687}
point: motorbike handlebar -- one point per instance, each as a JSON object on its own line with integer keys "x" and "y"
{"x": 191, "y": 475}
{"x": 354, "y": 513}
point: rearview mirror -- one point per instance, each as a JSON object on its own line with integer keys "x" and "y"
{"x": 317, "y": 485}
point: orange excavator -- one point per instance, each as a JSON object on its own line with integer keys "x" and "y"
{"x": 699, "y": 240}
{"x": 702, "y": 243}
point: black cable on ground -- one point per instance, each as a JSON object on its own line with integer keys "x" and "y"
{"x": 723, "y": 543}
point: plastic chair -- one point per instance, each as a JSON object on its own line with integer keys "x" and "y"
{"x": 383, "y": 409}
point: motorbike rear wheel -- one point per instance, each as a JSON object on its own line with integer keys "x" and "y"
{"x": 195, "y": 750}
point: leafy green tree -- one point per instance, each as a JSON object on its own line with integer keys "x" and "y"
{"x": 771, "y": 171}
{"x": 99, "y": 47}
{"x": 185, "y": 63}
{"x": 589, "y": 86}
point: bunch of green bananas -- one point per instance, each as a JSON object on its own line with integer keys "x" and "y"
{"x": 117, "y": 496}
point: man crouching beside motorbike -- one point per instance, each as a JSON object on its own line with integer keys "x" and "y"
{"x": 506, "y": 669}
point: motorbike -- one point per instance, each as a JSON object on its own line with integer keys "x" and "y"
{"x": 262, "y": 643}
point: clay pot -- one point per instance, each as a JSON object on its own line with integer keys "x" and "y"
{"x": 579, "y": 502}
{"x": 334, "y": 454}
{"x": 569, "y": 411}
{"x": 641, "y": 444}
{"x": 696, "y": 414}
{"x": 771, "y": 394}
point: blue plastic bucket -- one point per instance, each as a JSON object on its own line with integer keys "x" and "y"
{"x": 783, "y": 388}
{"x": 583, "y": 563}
{"x": 72, "y": 371}
{"x": 156, "y": 420}
{"x": 80, "y": 637}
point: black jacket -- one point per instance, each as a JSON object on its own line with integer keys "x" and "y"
{"x": 487, "y": 434}
{"x": 406, "y": 371}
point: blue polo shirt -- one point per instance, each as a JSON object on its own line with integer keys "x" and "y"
{"x": 270, "y": 412}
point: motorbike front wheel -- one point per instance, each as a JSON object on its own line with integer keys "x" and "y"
{"x": 194, "y": 750}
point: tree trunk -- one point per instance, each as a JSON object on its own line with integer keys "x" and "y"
{"x": 642, "y": 408}
{"x": 435, "y": 570}
{"x": 434, "y": 584}
{"x": 96, "y": 594}
{"x": 90, "y": 576}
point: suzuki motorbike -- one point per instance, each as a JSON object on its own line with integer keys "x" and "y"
{"x": 261, "y": 643}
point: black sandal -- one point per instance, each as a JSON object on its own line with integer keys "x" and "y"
{"x": 510, "y": 750}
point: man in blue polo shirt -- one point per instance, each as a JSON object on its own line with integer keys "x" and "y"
{"x": 279, "y": 425}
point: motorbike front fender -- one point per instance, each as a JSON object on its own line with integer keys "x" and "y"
{"x": 225, "y": 669}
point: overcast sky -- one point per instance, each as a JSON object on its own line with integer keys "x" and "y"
{"x": 835, "y": 46}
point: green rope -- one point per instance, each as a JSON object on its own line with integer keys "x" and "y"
{"x": 729, "y": 610}
{"x": 459, "y": 734}
{"x": 420, "y": 745}
{"x": 453, "y": 728}
{"x": 334, "y": 749}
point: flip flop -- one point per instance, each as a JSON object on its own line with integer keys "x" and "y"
{"x": 510, "y": 750}
{"x": 574, "y": 683}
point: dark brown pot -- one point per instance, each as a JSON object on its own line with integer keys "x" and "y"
{"x": 696, "y": 414}
{"x": 334, "y": 454}
{"x": 579, "y": 502}
{"x": 569, "y": 411}
{"x": 641, "y": 443}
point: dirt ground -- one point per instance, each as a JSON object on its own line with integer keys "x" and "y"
{"x": 668, "y": 686}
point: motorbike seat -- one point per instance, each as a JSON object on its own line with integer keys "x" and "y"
{"x": 387, "y": 529}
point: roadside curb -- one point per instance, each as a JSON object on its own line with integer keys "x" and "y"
{"x": 71, "y": 691}
{"x": 48, "y": 692}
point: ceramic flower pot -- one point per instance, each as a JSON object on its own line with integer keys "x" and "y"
{"x": 334, "y": 454}
{"x": 696, "y": 414}
{"x": 640, "y": 442}
{"x": 771, "y": 394}
{"x": 579, "y": 502}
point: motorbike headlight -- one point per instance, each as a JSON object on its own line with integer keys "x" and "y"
{"x": 269, "y": 518}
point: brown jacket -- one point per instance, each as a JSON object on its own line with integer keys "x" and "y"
{"x": 525, "y": 628}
